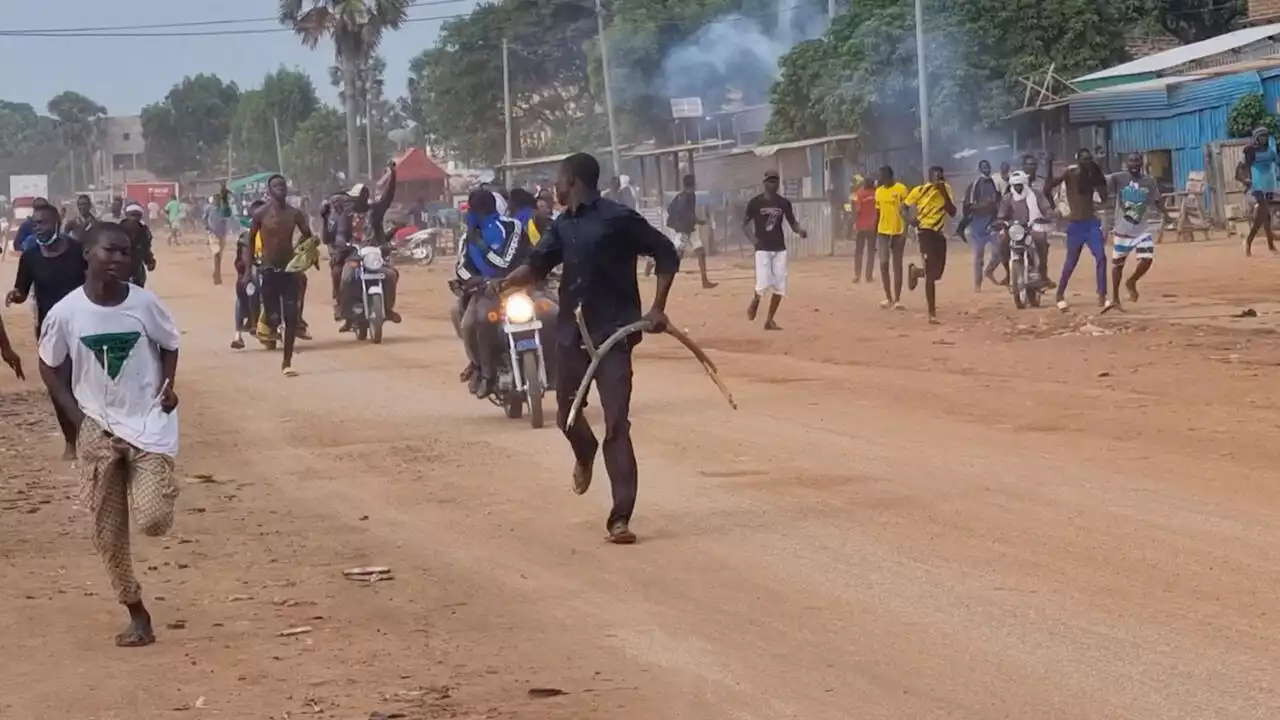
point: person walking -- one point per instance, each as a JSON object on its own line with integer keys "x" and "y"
{"x": 981, "y": 203}
{"x": 762, "y": 222}
{"x": 1137, "y": 197}
{"x": 109, "y": 356}
{"x": 891, "y": 235}
{"x": 864, "y": 230}
{"x": 52, "y": 269}
{"x": 1260, "y": 163}
{"x": 599, "y": 242}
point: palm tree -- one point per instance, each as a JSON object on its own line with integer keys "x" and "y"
{"x": 356, "y": 27}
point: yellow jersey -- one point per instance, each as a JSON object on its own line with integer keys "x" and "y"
{"x": 930, "y": 205}
{"x": 889, "y": 202}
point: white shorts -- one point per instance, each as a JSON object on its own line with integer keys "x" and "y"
{"x": 771, "y": 272}
{"x": 1144, "y": 246}
{"x": 687, "y": 241}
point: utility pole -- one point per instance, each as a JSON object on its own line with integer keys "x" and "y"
{"x": 608, "y": 90}
{"x": 506, "y": 97}
{"x": 279, "y": 153}
{"x": 923, "y": 85}
{"x": 831, "y": 11}
{"x": 368, "y": 131}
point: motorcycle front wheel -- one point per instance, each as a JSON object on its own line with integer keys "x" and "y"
{"x": 533, "y": 380}
{"x": 1016, "y": 285}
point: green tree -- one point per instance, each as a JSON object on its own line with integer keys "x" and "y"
{"x": 455, "y": 92}
{"x": 314, "y": 156}
{"x": 1187, "y": 20}
{"x": 80, "y": 123}
{"x": 372, "y": 103}
{"x": 22, "y": 129}
{"x": 356, "y": 28}
{"x": 286, "y": 97}
{"x": 189, "y": 129}
{"x": 861, "y": 75}
{"x": 1248, "y": 114}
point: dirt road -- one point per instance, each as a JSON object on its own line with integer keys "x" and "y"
{"x": 1011, "y": 515}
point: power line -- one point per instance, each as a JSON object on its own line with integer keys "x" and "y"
{"x": 193, "y": 33}
{"x": 75, "y": 32}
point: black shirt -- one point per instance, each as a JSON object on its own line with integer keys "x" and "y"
{"x": 682, "y": 213}
{"x": 598, "y": 243}
{"x": 767, "y": 214}
{"x": 53, "y": 277}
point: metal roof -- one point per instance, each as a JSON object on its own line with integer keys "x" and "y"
{"x": 767, "y": 150}
{"x": 1187, "y": 53}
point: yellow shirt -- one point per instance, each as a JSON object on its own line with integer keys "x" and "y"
{"x": 930, "y": 206}
{"x": 889, "y": 202}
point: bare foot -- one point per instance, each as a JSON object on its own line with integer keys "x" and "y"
{"x": 753, "y": 308}
{"x": 139, "y": 632}
{"x": 1133, "y": 291}
{"x": 581, "y": 478}
{"x": 771, "y": 325}
{"x": 708, "y": 285}
{"x": 69, "y": 452}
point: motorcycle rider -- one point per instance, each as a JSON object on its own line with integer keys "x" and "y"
{"x": 363, "y": 223}
{"x": 489, "y": 253}
{"x": 1028, "y": 205}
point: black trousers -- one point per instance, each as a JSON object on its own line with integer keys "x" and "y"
{"x": 933, "y": 248}
{"x": 613, "y": 385}
{"x": 864, "y": 254}
{"x": 281, "y": 293}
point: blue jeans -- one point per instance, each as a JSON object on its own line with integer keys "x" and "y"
{"x": 1082, "y": 234}
{"x": 984, "y": 237}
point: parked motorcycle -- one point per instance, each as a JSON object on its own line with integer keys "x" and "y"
{"x": 370, "y": 314}
{"x": 420, "y": 247}
{"x": 1026, "y": 276}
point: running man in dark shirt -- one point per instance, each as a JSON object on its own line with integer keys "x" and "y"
{"x": 53, "y": 268}
{"x": 599, "y": 242}
{"x": 763, "y": 224}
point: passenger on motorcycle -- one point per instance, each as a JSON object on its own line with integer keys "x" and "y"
{"x": 1026, "y": 204}
{"x": 362, "y": 223}
{"x": 489, "y": 251}
{"x": 247, "y": 295}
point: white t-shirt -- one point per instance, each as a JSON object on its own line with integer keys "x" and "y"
{"x": 115, "y": 363}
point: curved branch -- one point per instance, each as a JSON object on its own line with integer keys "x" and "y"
{"x": 575, "y": 410}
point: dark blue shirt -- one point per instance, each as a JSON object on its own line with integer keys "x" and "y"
{"x": 598, "y": 243}
{"x": 25, "y": 239}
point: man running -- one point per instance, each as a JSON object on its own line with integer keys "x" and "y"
{"x": 173, "y": 214}
{"x": 140, "y": 241}
{"x": 762, "y": 222}
{"x": 1136, "y": 194}
{"x": 121, "y": 345}
{"x": 54, "y": 268}
{"x": 683, "y": 218}
{"x": 981, "y": 203}
{"x": 1260, "y": 161}
{"x": 281, "y": 289}
{"x": 219, "y": 221}
{"x": 77, "y": 226}
{"x": 1084, "y": 229}
{"x": 115, "y": 213}
{"x": 864, "y": 230}
{"x": 891, "y": 235}
{"x": 933, "y": 205}
{"x": 599, "y": 241}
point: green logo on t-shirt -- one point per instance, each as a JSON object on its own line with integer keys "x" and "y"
{"x": 111, "y": 349}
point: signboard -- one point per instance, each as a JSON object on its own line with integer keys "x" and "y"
{"x": 146, "y": 193}
{"x": 686, "y": 107}
{"x": 28, "y": 186}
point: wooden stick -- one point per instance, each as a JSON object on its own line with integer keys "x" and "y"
{"x": 597, "y": 354}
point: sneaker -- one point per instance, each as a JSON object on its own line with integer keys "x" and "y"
{"x": 1063, "y": 306}
{"x": 886, "y": 304}
{"x": 913, "y": 276}
{"x": 237, "y": 343}
{"x": 289, "y": 372}
{"x": 899, "y": 306}
{"x": 620, "y": 534}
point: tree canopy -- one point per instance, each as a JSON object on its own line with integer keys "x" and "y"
{"x": 315, "y": 156}
{"x": 189, "y": 129}
{"x": 287, "y": 97}
{"x": 861, "y": 75}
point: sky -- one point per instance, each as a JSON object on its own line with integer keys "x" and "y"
{"x": 124, "y": 74}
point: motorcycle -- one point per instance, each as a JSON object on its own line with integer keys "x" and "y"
{"x": 420, "y": 247}
{"x": 522, "y": 368}
{"x": 1026, "y": 280}
{"x": 370, "y": 314}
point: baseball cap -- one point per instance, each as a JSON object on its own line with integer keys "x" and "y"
{"x": 770, "y": 174}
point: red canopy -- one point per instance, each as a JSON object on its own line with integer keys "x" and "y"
{"x": 415, "y": 166}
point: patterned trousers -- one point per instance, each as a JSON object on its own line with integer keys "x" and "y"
{"x": 115, "y": 476}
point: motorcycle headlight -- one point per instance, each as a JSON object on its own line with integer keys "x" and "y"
{"x": 1017, "y": 232}
{"x": 372, "y": 261}
{"x": 519, "y": 308}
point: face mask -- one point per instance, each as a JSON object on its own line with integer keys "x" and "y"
{"x": 44, "y": 238}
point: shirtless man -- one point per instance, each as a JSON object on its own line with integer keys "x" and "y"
{"x": 281, "y": 290}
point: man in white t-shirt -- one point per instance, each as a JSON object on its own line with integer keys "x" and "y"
{"x": 122, "y": 344}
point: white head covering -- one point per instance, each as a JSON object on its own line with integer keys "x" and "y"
{"x": 134, "y": 207}
{"x": 500, "y": 203}
{"x": 356, "y": 190}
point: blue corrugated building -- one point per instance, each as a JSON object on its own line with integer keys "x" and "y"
{"x": 1178, "y": 115}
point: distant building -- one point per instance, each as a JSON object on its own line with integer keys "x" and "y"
{"x": 124, "y": 150}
